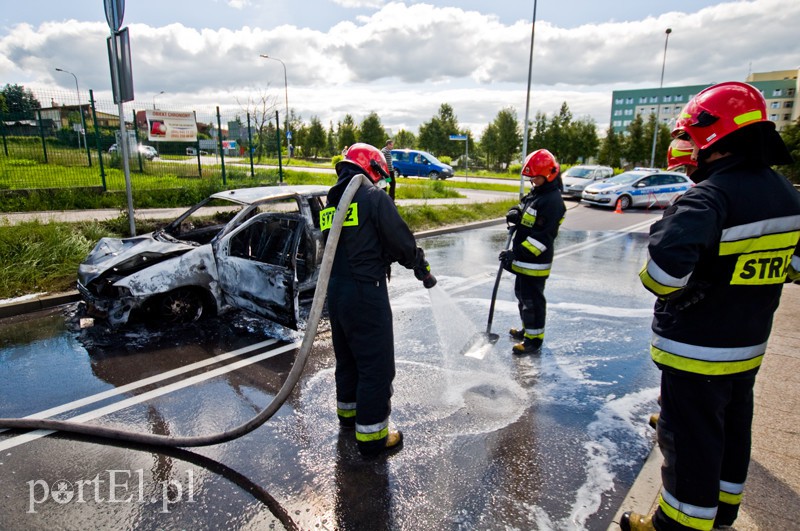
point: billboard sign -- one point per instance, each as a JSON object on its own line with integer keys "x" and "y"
{"x": 171, "y": 126}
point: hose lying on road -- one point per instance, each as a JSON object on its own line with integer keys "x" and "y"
{"x": 277, "y": 401}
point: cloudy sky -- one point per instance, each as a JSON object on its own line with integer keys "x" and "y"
{"x": 400, "y": 59}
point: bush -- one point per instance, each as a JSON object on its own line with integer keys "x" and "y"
{"x": 335, "y": 159}
{"x": 515, "y": 169}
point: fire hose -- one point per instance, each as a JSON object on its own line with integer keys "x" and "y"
{"x": 276, "y": 403}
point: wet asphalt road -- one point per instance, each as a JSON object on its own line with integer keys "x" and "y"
{"x": 492, "y": 441}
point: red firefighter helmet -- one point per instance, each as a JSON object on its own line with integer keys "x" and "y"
{"x": 368, "y": 159}
{"x": 680, "y": 154}
{"x": 718, "y": 111}
{"x": 541, "y": 162}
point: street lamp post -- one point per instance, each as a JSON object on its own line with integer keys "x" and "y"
{"x": 658, "y": 104}
{"x": 80, "y": 110}
{"x": 527, "y": 104}
{"x": 286, "y": 95}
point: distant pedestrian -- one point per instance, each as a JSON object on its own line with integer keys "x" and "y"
{"x": 387, "y": 154}
{"x": 717, "y": 261}
{"x": 536, "y": 221}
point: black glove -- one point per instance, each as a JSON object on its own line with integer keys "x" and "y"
{"x": 506, "y": 257}
{"x": 513, "y": 216}
{"x": 423, "y": 272}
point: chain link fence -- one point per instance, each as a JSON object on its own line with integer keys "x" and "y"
{"x": 72, "y": 142}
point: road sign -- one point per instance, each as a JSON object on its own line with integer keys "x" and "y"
{"x": 115, "y": 11}
{"x": 289, "y": 135}
{"x": 458, "y": 137}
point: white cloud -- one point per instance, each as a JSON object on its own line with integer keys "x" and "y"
{"x": 403, "y": 61}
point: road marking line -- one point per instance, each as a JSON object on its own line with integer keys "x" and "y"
{"x": 155, "y": 393}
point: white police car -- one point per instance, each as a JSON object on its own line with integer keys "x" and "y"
{"x": 638, "y": 188}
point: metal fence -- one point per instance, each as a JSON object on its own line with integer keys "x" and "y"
{"x": 66, "y": 143}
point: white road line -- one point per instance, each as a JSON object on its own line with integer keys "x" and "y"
{"x": 91, "y": 415}
{"x": 476, "y": 280}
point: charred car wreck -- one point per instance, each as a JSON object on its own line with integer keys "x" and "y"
{"x": 256, "y": 249}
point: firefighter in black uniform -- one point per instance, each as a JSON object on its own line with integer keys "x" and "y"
{"x": 536, "y": 221}
{"x": 373, "y": 236}
{"x": 717, "y": 263}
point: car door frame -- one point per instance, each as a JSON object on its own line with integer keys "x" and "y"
{"x": 266, "y": 289}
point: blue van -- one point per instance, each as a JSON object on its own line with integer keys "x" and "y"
{"x": 413, "y": 163}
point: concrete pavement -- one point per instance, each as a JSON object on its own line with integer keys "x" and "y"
{"x": 772, "y": 492}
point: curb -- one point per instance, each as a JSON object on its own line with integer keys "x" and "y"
{"x": 642, "y": 497}
{"x": 38, "y": 303}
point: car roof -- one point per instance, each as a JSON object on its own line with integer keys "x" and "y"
{"x": 248, "y": 196}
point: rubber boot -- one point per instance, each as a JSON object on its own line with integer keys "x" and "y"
{"x": 394, "y": 443}
{"x": 527, "y": 347}
{"x": 517, "y": 333}
{"x": 636, "y": 522}
{"x": 653, "y": 421}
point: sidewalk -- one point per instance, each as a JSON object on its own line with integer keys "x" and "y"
{"x": 772, "y": 492}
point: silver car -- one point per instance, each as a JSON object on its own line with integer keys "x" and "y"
{"x": 577, "y": 178}
{"x": 257, "y": 249}
{"x": 638, "y": 188}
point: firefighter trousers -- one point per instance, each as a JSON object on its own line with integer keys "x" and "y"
{"x": 363, "y": 341}
{"x": 532, "y": 306}
{"x": 704, "y": 435}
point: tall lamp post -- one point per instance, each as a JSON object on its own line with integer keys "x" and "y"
{"x": 286, "y": 95}
{"x": 658, "y": 104}
{"x": 527, "y": 104}
{"x": 80, "y": 110}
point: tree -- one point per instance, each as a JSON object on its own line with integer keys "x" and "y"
{"x": 791, "y": 137}
{"x": 508, "y": 136}
{"x": 611, "y": 149}
{"x": 662, "y": 142}
{"x": 330, "y": 143}
{"x": 315, "y": 139}
{"x": 262, "y": 112}
{"x": 583, "y": 140}
{"x": 20, "y": 103}
{"x": 637, "y": 150}
{"x": 489, "y": 143}
{"x": 434, "y": 136}
{"x": 404, "y": 139}
{"x": 346, "y": 136}
{"x": 371, "y": 131}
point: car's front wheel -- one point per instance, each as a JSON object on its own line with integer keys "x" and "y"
{"x": 433, "y": 175}
{"x": 183, "y": 305}
{"x": 624, "y": 202}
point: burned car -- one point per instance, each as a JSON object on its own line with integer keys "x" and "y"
{"x": 256, "y": 249}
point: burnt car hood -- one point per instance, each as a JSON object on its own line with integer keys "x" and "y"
{"x": 128, "y": 254}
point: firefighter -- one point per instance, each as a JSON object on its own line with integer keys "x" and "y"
{"x": 717, "y": 262}
{"x": 535, "y": 221}
{"x": 373, "y": 236}
{"x": 679, "y": 154}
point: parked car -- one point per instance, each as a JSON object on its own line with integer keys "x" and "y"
{"x": 257, "y": 249}
{"x": 112, "y": 148}
{"x": 577, "y": 178}
{"x": 647, "y": 188}
{"x": 410, "y": 162}
{"x": 148, "y": 152}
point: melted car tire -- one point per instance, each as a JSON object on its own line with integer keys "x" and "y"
{"x": 183, "y": 305}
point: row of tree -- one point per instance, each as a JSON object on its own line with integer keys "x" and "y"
{"x": 571, "y": 140}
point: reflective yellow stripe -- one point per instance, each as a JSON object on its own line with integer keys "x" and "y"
{"x": 680, "y": 153}
{"x": 654, "y": 287}
{"x": 326, "y": 217}
{"x": 709, "y": 368}
{"x": 346, "y": 413}
{"x": 531, "y": 270}
{"x": 702, "y": 524}
{"x": 748, "y": 117}
{"x": 730, "y": 499}
{"x": 768, "y": 242}
{"x": 374, "y": 436}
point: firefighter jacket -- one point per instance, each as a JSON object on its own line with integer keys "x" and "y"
{"x": 541, "y": 213}
{"x": 717, "y": 262}
{"x": 373, "y": 236}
